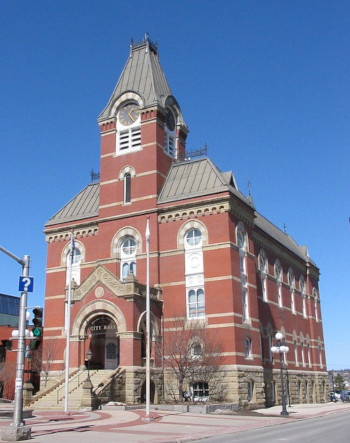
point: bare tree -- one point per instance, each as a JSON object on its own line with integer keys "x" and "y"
{"x": 193, "y": 357}
{"x": 42, "y": 359}
{"x": 7, "y": 371}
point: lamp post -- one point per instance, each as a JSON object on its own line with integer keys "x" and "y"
{"x": 281, "y": 349}
{"x": 88, "y": 358}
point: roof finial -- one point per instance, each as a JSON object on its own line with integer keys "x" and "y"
{"x": 285, "y": 228}
{"x": 250, "y": 198}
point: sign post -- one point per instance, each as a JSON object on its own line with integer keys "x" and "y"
{"x": 17, "y": 430}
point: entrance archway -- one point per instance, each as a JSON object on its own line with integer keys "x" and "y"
{"x": 104, "y": 343}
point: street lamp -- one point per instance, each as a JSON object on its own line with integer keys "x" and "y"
{"x": 281, "y": 349}
{"x": 88, "y": 358}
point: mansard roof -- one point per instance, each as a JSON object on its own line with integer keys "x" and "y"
{"x": 281, "y": 237}
{"x": 142, "y": 74}
{"x": 83, "y": 205}
{"x": 189, "y": 179}
{"x": 196, "y": 178}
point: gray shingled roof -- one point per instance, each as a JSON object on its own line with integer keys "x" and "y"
{"x": 84, "y": 205}
{"x": 142, "y": 74}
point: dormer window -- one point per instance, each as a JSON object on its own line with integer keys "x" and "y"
{"x": 128, "y": 128}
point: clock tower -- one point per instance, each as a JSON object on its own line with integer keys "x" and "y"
{"x": 142, "y": 134}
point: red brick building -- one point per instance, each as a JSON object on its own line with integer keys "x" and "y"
{"x": 213, "y": 258}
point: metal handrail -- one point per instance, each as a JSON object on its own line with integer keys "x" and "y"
{"x": 70, "y": 384}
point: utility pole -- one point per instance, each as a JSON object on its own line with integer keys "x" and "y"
{"x": 17, "y": 430}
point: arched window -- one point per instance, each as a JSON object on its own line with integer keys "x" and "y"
{"x": 242, "y": 245}
{"x": 196, "y": 303}
{"x": 194, "y": 271}
{"x": 196, "y": 350}
{"x": 303, "y": 294}
{"x": 128, "y": 257}
{"x": 291, "y": 282}
{"x": 270, "y": 346}
{"x": 75, "y": 271}
{"x": 263, "y": 271}
{"x": 193, "y": 238}
{"x": 247, "y": 347}
{"x": 302, "y": 354}
{"x": 278, "y": 275}
{"x": 296, "y": 353}
{"x": 127, "y": 188}
{"x": 315, "y": 297}
{"x": 320, "y": 356}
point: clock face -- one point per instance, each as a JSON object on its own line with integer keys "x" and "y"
{"x": 129, "y": 114}
{"x": 170, "y": 119}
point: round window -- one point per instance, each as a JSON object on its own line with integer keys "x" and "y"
{"x": 194, "y": 237}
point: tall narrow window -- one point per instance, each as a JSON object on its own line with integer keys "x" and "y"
{"x": 278, "y": 275}
{"x": 296, "y": 353}
{"x": 127, "y": 188}
{"x": 242, "y": 245}
{"x": 302, "y": 354}
{"x": 263, "y": 271}
{"x": 194, "y": 273}
{"x": 291, "y": 282}
{"x": 196, "y": 304}
{"x": 270, "y": 346}
{"x": 303, "y": 295}
{"x": 320, "y": 356}
{"x": 314, "y": 294}
{"x": 308, "y": 355}
{"x": 247, "y": 347}
{"x": 75, "y": 266}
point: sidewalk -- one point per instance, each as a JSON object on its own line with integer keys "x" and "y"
{"x": 130, "y": 426}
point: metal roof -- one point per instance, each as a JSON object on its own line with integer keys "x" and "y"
{"x": 142, "y": 74}
{"x": 196, "y": 178}
{"x": 281, "y": 237}
{"x": 83, "y": 205}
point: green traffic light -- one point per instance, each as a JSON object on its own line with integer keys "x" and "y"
{"x": 36, "y": 332}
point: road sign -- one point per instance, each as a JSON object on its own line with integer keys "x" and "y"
{"x": 26, "y": 284}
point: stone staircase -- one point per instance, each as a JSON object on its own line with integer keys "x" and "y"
{"x": 53, "y": 399}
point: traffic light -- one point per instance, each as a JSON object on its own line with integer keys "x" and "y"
{"x": 38, "y": 323}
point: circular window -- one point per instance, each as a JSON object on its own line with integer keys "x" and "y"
{"x": 76, "y": 256}
{"x": 194, "y": 237}
{"x": 129, "y": 246}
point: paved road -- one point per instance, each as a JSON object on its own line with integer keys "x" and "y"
{"x": 333, "y": 428}
{"x": 111, "y": 425}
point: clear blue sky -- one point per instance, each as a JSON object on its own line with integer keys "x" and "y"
{"x": 264, "y": 83}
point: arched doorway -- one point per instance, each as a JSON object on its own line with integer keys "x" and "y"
{"x": 104, "y": 343}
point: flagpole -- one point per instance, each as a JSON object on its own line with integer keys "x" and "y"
{"x": 148, "y": 338}
{"x": 71, "y": 256}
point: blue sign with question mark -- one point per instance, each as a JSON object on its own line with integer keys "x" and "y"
{"x": 26, "y": 284}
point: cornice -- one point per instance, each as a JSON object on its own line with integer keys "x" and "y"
{"x": 63, "y": 234}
